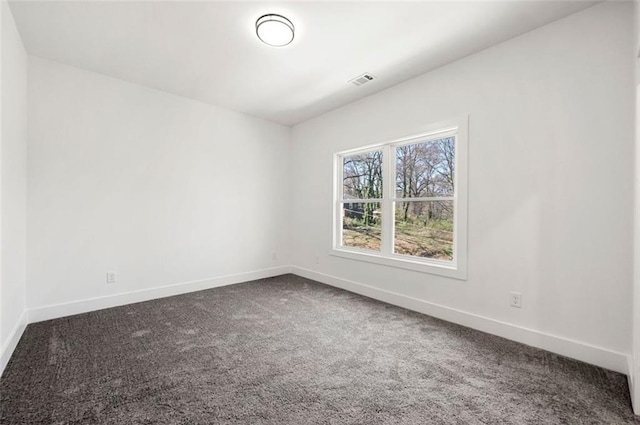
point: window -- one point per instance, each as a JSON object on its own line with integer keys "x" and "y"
{"x": 403, "y": 203}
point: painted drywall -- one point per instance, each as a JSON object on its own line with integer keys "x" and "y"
{"x": 550, "y": 179}
{"x": 13, "y": 184}
{"x": 161, "y": 189}
{"x": 634, "y": 373}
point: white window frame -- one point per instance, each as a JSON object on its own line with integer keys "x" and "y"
{"x": 456, "y": 268}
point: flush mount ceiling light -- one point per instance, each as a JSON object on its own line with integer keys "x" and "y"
{"x": 274, "y": 30}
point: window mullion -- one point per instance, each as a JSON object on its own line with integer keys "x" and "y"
{"x": 388, "y": 180}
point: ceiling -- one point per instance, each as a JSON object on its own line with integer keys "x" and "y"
{"x": 208, "y": 51}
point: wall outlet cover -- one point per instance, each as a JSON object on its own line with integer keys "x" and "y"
{"x": 515, "y": 300}
{"x": 112, "y": 277}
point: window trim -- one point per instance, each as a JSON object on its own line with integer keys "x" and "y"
{"x": 455, "y": 269}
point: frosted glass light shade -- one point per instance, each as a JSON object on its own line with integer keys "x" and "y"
{"x": 274, "y": 30}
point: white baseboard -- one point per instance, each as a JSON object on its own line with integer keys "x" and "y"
{"x": 598, "y": 356}
{"x": 83, "y": 306}
{"x": 635, "y": 392}
{"x": 574, "y": 349}
{"x": 10, "y": 345}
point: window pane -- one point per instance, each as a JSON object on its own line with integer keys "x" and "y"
{"x": 424, "y": 229}
{"x": 361, "y": 225}
{"x": 362, "y": 175}
{"x": 425, "y": 169}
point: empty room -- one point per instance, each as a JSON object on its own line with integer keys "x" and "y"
{"x": 366, "y": 212}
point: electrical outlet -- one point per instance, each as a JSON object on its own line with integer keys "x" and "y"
{"x": 515, "y": 300}
{"x": 111, "y": 277}
{"x": 317, "y": 260}
{"x": 274, "y": 256}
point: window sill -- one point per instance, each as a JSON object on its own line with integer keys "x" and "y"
{"x": 453, "y": 271}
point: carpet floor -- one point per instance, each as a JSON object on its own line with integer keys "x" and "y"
{"x": 288, "y": 350}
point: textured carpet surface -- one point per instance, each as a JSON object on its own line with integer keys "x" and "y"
{"x": 287, "y": 350}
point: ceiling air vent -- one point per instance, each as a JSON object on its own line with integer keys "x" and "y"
{"x": 361, "y": 79}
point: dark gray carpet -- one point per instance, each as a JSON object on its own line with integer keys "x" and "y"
{"x": 288, "y": 350}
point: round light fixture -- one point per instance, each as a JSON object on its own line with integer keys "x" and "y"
{"x": 274, "y": 30}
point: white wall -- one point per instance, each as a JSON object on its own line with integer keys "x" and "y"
{"x": 550, "y": 183}
{"x": 634, "y": 374}
{"x": 13, "y": 186}
{"x": 159, "y": 188}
